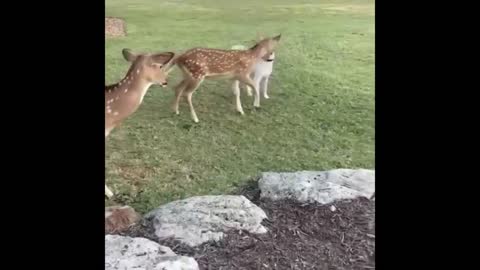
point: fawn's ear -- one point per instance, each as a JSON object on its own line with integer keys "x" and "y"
{"x": 162, "y": 59}
{"x": 277, "y": 38}
{"x": 129, "y": 55}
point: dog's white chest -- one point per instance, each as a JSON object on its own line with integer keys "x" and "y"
{"x": 263, "y": 68}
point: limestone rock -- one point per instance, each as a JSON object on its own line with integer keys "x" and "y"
{"x": 322, "y": 187}
{"x": 204, "y": 218}
{"x": 126, "y": 253}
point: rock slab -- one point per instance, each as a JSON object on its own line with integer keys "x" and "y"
{"x": 126, "y": 253}
{"x": 318, "y": 186}
{"x": 199, "y": 219}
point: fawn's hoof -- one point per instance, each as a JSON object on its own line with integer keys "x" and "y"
{"x": 108, "y": 192}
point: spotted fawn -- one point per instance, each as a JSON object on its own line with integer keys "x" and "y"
{"x": 122, "y": 99}
{"x": 198, "y": 64}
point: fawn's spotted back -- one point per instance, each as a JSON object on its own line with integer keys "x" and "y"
{"x": 205, "y": 62}
{"x": 202, "y": 62}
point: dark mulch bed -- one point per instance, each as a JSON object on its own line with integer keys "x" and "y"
{"x": 300, "y": 236}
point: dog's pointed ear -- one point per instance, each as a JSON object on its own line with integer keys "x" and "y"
{"x": 277, "y": 38}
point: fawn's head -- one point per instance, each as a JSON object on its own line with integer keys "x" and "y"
{"x": 149, "y": 67}
{"x": 267, "y": 46}
{"x": 269, "y": 57}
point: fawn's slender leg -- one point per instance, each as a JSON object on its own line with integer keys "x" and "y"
{"x": 191, "y": 87}
{"x": 265, "y": 87}
{"x": 235, "y": 86}
{"x": 249, "y": 89}
{"x": 236, "y": 92}
{"x": 108, "y": 192}
{"x": 253, "y": 84}
{"x": 178, "y": 94}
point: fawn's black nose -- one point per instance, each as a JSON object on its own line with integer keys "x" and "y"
{"x": 164, "y": 84}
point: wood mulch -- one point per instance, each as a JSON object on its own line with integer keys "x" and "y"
{"x": 300, "y": 236}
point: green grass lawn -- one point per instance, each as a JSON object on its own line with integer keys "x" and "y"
{"x": 320, "y": 114}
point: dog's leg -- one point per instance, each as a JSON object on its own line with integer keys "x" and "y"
{"x": 265, "y": 87}
{"x": 249, "y": 89}
{"x": 236, "y": 92}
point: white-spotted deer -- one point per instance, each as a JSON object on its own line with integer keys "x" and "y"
{"x": 200, "y": 63}
{"x": 123, "y": 98}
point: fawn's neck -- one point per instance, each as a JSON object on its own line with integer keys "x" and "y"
{"x": 127, "y": 94}
{"x": 132, "y": 83}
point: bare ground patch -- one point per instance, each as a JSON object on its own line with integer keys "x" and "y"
{"x": 115, "y": 27}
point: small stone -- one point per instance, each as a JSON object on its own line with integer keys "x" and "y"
{"x": 333, "y": 208}
{"x": 119, "y": 218}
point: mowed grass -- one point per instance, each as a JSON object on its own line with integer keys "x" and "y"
{"x": 320, "y": 115}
